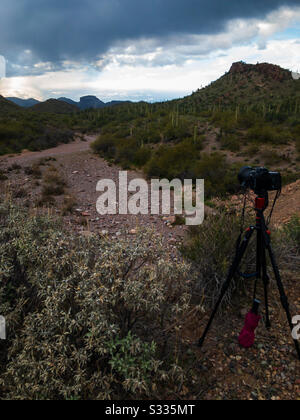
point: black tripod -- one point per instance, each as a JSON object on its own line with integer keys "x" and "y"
{"x": 263, "y": 245}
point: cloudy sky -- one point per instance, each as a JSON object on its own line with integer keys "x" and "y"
{"x": 139, "y": 49}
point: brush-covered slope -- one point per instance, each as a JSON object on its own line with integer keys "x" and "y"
{"x": 248, "y": 84}
{"x": 54, "y": 106}
{"x": 7, "y": 107}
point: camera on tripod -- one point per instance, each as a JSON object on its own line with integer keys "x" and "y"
{"x": 260, "y": 180}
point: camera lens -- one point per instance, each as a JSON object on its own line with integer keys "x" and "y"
{"x": 244, "y": 175}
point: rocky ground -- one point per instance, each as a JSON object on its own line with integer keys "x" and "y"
{"x": 82, "y": 170}
{"x": 269, "y": 370}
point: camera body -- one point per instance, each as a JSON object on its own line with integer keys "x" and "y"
{"x": 260, "y": 180}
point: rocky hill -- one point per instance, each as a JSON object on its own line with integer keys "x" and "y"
{"x": 267, "y": 71}
{"x": 250, "y": 84}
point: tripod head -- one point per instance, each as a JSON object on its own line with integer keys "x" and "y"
{"x": 262, "y": 201}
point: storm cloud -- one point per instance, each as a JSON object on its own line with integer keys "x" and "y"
{"x": 44, "y": 35}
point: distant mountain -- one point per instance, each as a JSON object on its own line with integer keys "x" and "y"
{"x": 7, "y": 106}
{"x": 88, "y": 102}
{"x": 24, "y": 103}
{"x": 68, "y": 101}
{"x": 91, "y": 102}
{"x": 54, "y": 106}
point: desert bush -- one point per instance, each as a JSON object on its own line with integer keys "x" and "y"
{"x": 14, "y": 167}
{"x": 289, "y": 177}
{"x": 231, "y": 142}
{"x": 33, "y": 170}
{"x": 292, "y": 230}
{"x": 252, "y": 150}
{"x": 87, "y": 318}
{"x": 298, "y": 145}
{"x": 142, "y": 156}
{"x": 226, "y": 120}
{"x": 125, "y": 151}
{"x": 53, "y": 183}
{"x": 180, "y": 131}
{"x": 268, "y": 134}
{"x": 68, "y": 204}
{"x": 220, "y": 178}
{"x": 26, "y": 130}
{"x": 3, "y": 177}
{"x": 19, "y": 192}
{"x": 105, "y": 146}
{"x": 211, "y": 248}
{"x": 173, "y": 162}
{"x": 271, "y": 157}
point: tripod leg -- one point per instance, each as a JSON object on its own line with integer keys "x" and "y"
{"x": 266, "y": 281}
{"x": 232, "y": 271}
{"x": 283, "y": 297}
{"x": 259, "y": 245}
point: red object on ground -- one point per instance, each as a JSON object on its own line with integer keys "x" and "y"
{"x": 247, "y": 336}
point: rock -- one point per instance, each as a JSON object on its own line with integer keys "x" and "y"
{"x": 75, "y": 172}
{"x": 104, "y": 232}
{"x": 87, "y": 234}
{"x": 169, "y": 220}
{"x": 132, "y": 232}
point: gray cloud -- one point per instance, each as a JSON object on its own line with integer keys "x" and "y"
{"x": 57, "y": 30}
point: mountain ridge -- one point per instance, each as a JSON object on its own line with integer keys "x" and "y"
{"x": 85, "y": 102}
{"x": 54, "y": 106}
{"x": 24, "y": 103}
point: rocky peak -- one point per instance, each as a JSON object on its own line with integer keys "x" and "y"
{"x": 270, "y": 71}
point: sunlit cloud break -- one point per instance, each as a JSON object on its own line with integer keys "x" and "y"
{"x": 146, "y": 61}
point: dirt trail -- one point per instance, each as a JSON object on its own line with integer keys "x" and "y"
{"x": 82, "y": 170}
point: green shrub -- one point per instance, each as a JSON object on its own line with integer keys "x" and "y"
{"x": 34, "y": 170}
{"x": 292, "y": 229}
{"x": 53, "y": 183}
{"x": 298, "y": 145}
{"x": 126, "y": 149}
{"x": 142, "y": 156}
{"x": 211, "y": 247}
{"x": 268, "y": 134}
{"x": 232, "y": 143}
{"x": 220, "y": 178}
{"x": 87, "y": 318}
{"x": 105, "y": 146}
{"x": 289, "y": 177}
{"x": 271, "y": 158}
{"x": 173, "y": 162}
